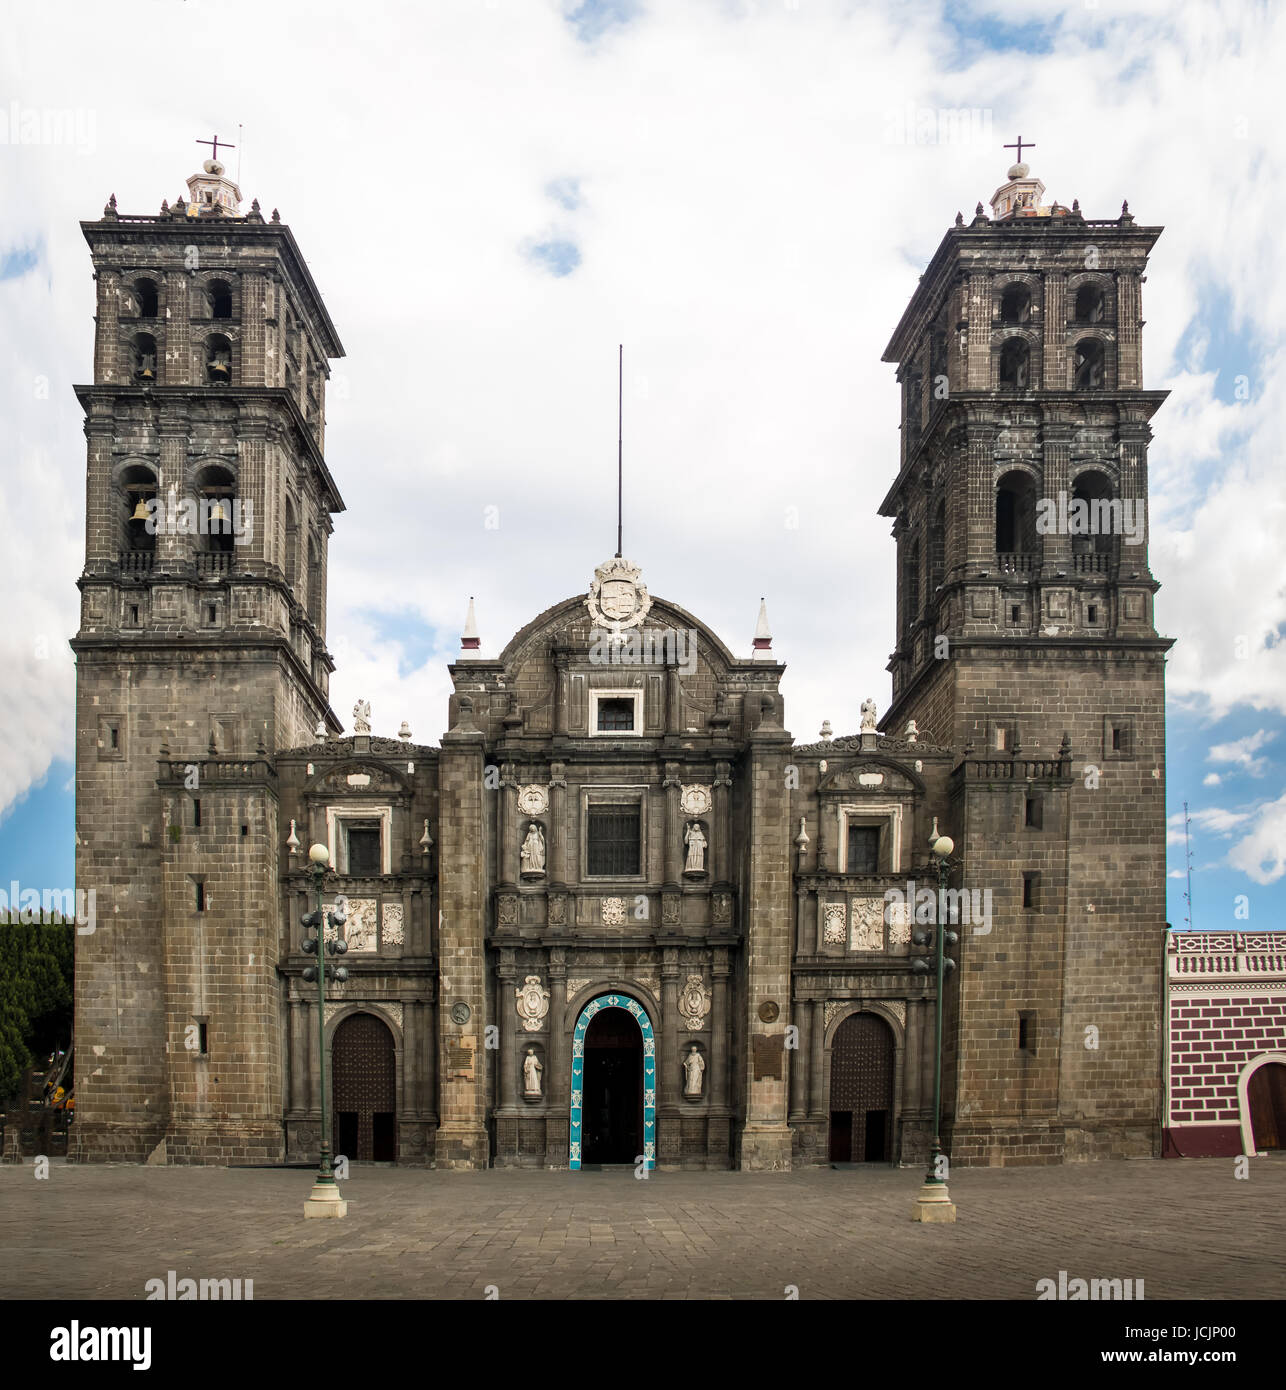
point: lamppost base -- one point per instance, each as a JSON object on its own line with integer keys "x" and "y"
{"x": 934, "y": 1204}
{"x": 324, "y": 1200}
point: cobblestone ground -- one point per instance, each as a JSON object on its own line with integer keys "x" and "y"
{"x": 1188, "y": 1229}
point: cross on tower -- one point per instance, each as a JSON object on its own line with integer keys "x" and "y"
{"x": 1017, "y": 145}
{"x": 226, "y": 146}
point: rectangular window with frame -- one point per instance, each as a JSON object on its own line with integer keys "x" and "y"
{"x": 613, "y": 839}
{"x": 863, "y": 849}
{"x": 616, "y": 715}
{"x": 365, "y": 852}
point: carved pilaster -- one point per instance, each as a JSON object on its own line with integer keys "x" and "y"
{"x": 673, "y": 824}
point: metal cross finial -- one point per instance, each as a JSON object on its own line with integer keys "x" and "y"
{"x": 226, "y": 146}
{"x": 1017, "y": 145}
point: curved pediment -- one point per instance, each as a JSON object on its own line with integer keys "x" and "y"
{"x": 873, "y": 776}
{"x": 359, "y": 775}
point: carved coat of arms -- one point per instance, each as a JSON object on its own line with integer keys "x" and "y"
{"x": 694, "y": 1003}
{"x": 617, "y": 599}
{"x": 533, "y": 1003}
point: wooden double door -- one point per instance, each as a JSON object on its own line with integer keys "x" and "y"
{"x": 861, "y": 1102}
{"x": 1267, "y": 1096}
{"x": 364, "y": 1102}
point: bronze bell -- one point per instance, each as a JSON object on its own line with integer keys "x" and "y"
{"x": 147, "y": 374}
{"x": 219, "y": 368}
{"x": 140, "y": 512}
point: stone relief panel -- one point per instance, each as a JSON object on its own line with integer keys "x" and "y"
{"x": 613, "y": 911}
{"x": 392, "y": 933}
{"x": 575, "y": 985}
{"x": 898, "y": 916}
{"x": 834, "y": 932}
{"x": 360, "y": 930}
{"x": 507, "y": 910}
{"x": 867, "y": 924}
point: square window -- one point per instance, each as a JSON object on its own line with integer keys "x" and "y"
{"x": 612, "y": 840}
{"x": 863, "y": 849}
{"x": 364, "y": 848}
{"x": 1118, "y": 736}
{"x": 111, "y": 736}
{"x": 616, "y": 715}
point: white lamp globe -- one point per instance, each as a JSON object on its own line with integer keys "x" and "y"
{"x": 943, "y": 846}
{"x": 319, "y": 854}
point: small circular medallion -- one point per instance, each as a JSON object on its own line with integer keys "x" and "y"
{"x": 768, "y": 1011}
{"x": 460, "y": 1012}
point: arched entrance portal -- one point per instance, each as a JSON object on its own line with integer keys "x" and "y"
{"x": 861, "y": 1090}
{"x": 1266, "y": 1094}
{"x": 365, "y": 1089}
{"x": 613, "y": 1083}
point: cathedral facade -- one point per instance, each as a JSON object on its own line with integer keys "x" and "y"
{"x": 617, "y": 914}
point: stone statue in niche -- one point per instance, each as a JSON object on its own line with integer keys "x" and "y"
{"x": 694, "y": 838}
{"x": 533, "y": 850}
{"x": 531, "y": 1073}
{"x": 362, "y": 717}
{"x": 694, "y": 1066}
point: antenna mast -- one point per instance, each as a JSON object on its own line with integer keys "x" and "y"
{"x": 620, "y": 406}
{"x": 239, "y": 144}
{"x": 1187, "y": 854}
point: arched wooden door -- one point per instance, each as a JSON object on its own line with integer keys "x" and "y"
{"x": 1266, "y": 1093}
{"x": 365, "y": 1089}
{"x": 861, "y": 1128}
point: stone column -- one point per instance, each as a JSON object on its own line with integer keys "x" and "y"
{"x": 673, "y": 701}
{"x": 509, "y": 834}
{"x": 406, "y": 1106}
{"x": 817, "y": 1100}
{"x": 561, "y": 694}
{"x": 298, "y": 1056}
{"x": 507, "y": 1006}
{"x": 801, "y": 1017}
{"x": 978, "y": 362}
{"x": 667, "y": 1064}
{"x": 558, "y": 828}
{"x": 1054, "y": 339}
{"x": 721, "y": 829}
{"x": 1056, "y": 546}
{"x": 718, "y": 1134}
{"x": 558, "y": 1064}
{"x": 1129, "y": 331}
{"x": 430, "y": 1085}
{"x": 803, "y": 946}
{"x": 673, "y": 826}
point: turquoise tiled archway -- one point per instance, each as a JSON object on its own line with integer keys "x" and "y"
{"x": 631, "y": 1006}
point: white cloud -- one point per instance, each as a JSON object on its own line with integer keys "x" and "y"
{"x": 1241, "y": 752}
{"x": 1211, "y": 779}
{"x": 745, "y": 230}
{"x": 1262, "y": 853}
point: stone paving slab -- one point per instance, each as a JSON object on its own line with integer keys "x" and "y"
{"x": 1189, "y": 1229}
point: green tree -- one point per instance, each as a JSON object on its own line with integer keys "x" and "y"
{"x": 36, "y": 963}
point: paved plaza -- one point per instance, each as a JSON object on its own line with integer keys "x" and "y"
{"x": 1189, "y": 1229}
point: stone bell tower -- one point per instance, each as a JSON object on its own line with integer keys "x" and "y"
{"x": 201, "y": 650}
{"x": 1025, "y": 641}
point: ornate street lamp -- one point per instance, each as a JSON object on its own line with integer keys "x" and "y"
{"x": 324, "y": 1200}
{"x": 934, "y": 1202}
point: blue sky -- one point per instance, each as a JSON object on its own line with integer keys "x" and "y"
{"x": 712, "y": 184}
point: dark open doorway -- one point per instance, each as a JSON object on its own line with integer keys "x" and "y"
{"x": 612, "y": 1107}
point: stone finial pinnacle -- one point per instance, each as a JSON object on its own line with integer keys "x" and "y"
{"x": 763, "y": 634}
{"x": 960, "y": 219}
{"x": 469, "y": 639}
